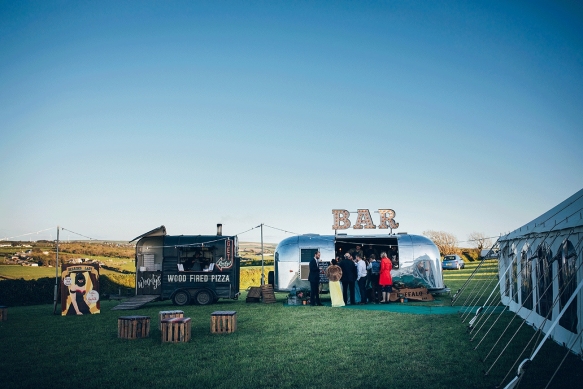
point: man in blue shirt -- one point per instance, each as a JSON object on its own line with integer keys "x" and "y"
{"x": 361, "y": 277}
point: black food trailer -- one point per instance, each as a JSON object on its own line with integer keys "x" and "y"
{"x": 187, "y": 268}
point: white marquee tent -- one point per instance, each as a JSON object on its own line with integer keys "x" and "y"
{"x": 541, "y": 277}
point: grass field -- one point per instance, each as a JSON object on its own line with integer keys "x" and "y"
{"x": 33, "y": 273}
{"x": 277, "y": 346}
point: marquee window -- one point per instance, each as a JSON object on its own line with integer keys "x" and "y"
{"x": 567, "y": 257}
{"x": 514, "y": 274}
{"x": 526, "y": 278}
{"x": 544, "y": 273}
{"x": 505, "y": 255}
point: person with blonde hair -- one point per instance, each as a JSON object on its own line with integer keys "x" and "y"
{"x": 334, "y": 273}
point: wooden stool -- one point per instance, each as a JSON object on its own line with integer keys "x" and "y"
{"x": 3, "y": 313}
{"x": 175, "y": 329}
{"x": 169, "y": 315}
{"x": 133, "y": 327}
{"x": 223, "y": 322}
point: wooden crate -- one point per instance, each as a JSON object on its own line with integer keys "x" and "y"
{"x": 3, "y": 313}
{"x": 223, "y": 322}
{"x": 268, "y": 294}
{"x": 254, "y": 295}
{"x": 175, "y": 330}
{"x": 416, "y": 294}
{"x": 169, "y": 315}
{"x": 133, "y": 327}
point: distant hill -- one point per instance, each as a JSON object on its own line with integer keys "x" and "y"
{"x": 255, "y": 248}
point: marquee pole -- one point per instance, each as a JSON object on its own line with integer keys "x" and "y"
{"x": 56, "y": 275}
{"x": 262, "y": 267}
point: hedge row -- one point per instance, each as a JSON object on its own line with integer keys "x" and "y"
{"x": 41, "y": 291}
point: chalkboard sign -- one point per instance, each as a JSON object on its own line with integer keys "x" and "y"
{"x": 323, "y": 266}
{"x": 149, "y": 282}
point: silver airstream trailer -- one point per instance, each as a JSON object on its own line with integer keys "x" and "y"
{"x": 416, "y": 259}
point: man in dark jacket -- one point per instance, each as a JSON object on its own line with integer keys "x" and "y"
{"x": 348, "y": 278}
{"x": 314, "y": 279}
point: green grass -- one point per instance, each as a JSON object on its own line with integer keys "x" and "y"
{"x": 481, "y": 285}
{"x": 274, "y": 346}
{"x": 26, "y": 272}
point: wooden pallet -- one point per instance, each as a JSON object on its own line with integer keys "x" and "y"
{"x": 416, "y": 294}
{"x": 268, "y": 294}
{"x": 254, "y": 295}
{"x": 135, "y": 302}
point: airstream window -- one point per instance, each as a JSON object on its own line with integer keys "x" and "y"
{"x": 306, "y": 256}
{"x": 568, "y": 284}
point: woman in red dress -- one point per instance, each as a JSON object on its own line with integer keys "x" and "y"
{"x": 385, "y": 279}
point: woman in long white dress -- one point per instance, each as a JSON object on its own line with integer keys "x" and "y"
{"x": 334, "y": 273}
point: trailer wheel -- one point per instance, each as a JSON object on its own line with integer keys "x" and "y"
{"x": 181, "y": 298}
{"x": 204, "y": 297}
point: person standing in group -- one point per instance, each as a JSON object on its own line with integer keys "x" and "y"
{"x": 348, "y": 278}
{"x": 361, "y": 277}
{"x": 385, "y": 279}
{"x": 314, "y": 279}
{"x": 334, "y": 274}
{"x": 392, "y": 254}
{"x": 369, "y": 251}
{"x": 356, "y": 251}
{"x": 356, "y": 288}
{"x": 374, "y": 268}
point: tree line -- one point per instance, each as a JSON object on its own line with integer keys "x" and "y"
{"x": 447, "y": 243}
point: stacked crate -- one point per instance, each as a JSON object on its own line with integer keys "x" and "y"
{"x": 268, "y": 294}
{"x": 174, "y": 330}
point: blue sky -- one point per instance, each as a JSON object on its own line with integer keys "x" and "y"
{"x": 117, "y": 117}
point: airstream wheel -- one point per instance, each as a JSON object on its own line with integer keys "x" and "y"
{"x": 181, "y": 298}
{"x": 204, "y": 297}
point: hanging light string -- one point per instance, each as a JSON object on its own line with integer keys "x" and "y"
{"x": 279, "y": 229}
{"x": 476, "y": 240}
{"x": 250, "y": 229}
{"x": 30, "y": 233}
{"x": 201, "y": 244}
{"x": 76, "y": 233}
